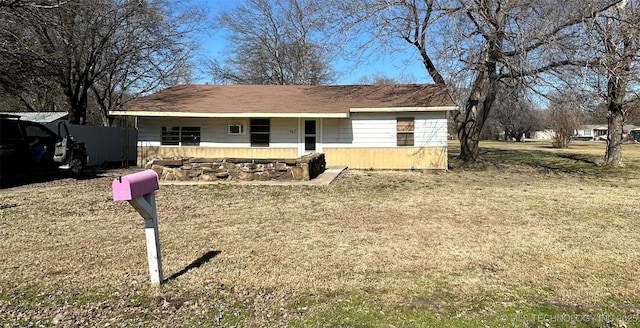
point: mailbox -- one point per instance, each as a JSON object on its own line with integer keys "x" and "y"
{"x": 135, "y": 185}
{"x": 139, "y": 190}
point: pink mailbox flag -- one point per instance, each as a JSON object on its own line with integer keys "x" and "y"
{"x": 135, "y": 185}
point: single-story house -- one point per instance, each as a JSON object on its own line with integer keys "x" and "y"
{"x": 546, "y": 134}
{"x": 600, "y": 131}
{"x": 361, "y": 126}
{"x": 591, "y": 130}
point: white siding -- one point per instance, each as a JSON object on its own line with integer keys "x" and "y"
{"x": 431, "y": 129}
{"x": 214, "y": 132}
{"x": 337, "y": 131}
{"x": 361, "y": 130}
{"x": 379, "y": 130}
{"x": 284, "y": 132}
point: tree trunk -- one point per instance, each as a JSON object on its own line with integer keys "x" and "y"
{"x": 469, "y": 129}
{"x": 78, "y": 108}
{"x": 613, "y": 155}
{"x": 77, "y": 93}
{"x": 104, "y": 117}
{"x": 74, "y": 109}
{"x": 104, "y": 103}
{"x": 469, "y": 137}
{"x": 619, "y": 64}
{"x": 616, "y": 91}
{"x": 481, "y": 98}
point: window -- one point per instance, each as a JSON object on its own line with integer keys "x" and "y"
{"x": 405, "y": 129}
{"x": 32, "y": 130}
{"x": 236, "y": 127}
{"x": 170, "y": 136}
{"x": 190, "y": 136}
{"x": 10, "y": 130}
{"x": 260, "y": 129}
{"x": 600, "y": 132}
{"x": 180, "y": 136}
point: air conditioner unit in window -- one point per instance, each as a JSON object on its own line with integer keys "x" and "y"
{"x": 236, "y": 128}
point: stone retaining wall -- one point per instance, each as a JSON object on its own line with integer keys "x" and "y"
{"x": 209, "y": 169}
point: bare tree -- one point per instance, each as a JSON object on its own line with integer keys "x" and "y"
{"x": 379, "y": 78}
{"x": 492, "y": 39}
{"x": 616, "y": 39}
{"x": 563, "y": 121}
{"x": 275, "y": 42}
{"x": 32, "y": 3}
{"x": 514, "y": 113}
{"x": 109, "y": 49}
{"x": 147, "y": 52}
{"x": 564, "y": 116}
{"x": 26, "y": 81}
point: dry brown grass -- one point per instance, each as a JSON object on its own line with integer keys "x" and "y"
{"x": 506, "y": 233}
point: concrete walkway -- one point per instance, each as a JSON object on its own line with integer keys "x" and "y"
{"x": 324, "y": 179}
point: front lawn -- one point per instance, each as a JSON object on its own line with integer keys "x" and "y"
{"x": 532, "y": 237}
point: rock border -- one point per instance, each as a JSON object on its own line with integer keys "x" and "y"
{"x": 304, "y": 168}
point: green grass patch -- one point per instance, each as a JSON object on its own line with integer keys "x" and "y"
{"x": 366, "y": 310}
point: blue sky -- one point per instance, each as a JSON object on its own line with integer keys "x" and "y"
{"x": 405, "y": 67}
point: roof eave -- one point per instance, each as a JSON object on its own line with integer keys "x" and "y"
{"x": 403, "y": 109}
{"x": 227, "y": 115}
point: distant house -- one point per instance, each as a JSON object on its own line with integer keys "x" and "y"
{"x": 591, "y": 131}
{"x": 547, "y": 134}
{"x": 594, "y": 132}
{"x": 372, "y": 126}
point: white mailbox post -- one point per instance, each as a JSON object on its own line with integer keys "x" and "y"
{"x": 139, "y": 190}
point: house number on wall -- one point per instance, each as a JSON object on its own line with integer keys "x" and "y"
{"x": 293, "y": 131}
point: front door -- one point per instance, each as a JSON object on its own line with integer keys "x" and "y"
{"x": 310, "y": 136}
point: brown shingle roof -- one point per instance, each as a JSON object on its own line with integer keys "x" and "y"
{"x": 290, "y": 98}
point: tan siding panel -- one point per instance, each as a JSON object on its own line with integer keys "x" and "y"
{"x": 388, "y": 158}
{"x": 357, "y": 158}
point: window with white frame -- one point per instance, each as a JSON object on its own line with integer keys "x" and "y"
{"x": 236, "y": 127}
{"x": 180, "y": 136}
{"x": 405, "y": 131}
{"x": 260, "y": 130}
